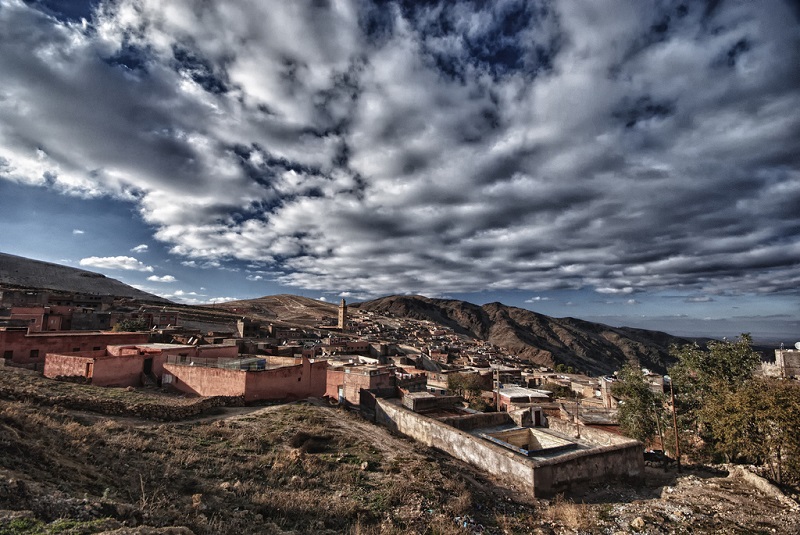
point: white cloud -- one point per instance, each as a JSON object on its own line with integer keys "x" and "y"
{"x": 323, "y": 298}
{"x": 140, "y": 248}
{"x": 165, "y": 278}
{"x": 607, "y": 290}
{"x": 536, "y": 299}
{"x": 78, "y": 231}
{"x": 254, "y": 277}
{"x": 126, "y": 263}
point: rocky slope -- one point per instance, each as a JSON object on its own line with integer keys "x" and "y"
{"x": 586, "y": 346}
{"x": 17, "y": 271}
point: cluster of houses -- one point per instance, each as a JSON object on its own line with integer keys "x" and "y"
{"x": 399, "y": 372}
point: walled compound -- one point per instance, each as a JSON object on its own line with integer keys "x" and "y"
{"x": 543, "y": 461}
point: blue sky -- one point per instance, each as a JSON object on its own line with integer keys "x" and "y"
{"x": 636, "y": 164}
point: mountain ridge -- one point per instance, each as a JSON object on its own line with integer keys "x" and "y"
{"x": 586, "y": 346}
{"x": 25, "y": 272}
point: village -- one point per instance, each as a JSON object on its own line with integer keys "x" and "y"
{"x": 544, "y": 430}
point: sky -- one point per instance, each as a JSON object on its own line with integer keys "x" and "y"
{"x": 632, "y": 163}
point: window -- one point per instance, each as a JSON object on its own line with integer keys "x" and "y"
{"x": 34, "y": 353}
{"x": 96, "y": 348}
{"x": 8, "y": 354}
{"x": 74, "y": 349}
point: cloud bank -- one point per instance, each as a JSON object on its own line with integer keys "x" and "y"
{"x": 413, "y": 147}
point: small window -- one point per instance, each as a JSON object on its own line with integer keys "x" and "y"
{"x": 97, "y": 348}
{"x": 8, "y": 354}
{"x": 74, "y": 349}
{"x": 34, "y": 353}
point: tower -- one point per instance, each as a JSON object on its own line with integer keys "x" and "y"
{"x": 343, "y": 316}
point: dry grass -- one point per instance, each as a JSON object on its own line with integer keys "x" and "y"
{"x": 574, "y": 516}
{"x": 298, "y": 468}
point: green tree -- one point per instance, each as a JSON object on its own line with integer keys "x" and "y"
{"x": 704, "y": 381}
{"x": 466, "y": 385}
{"x": 758, "y": 423}
{"x": 640, "y": 408}
{"x": 130, "y": 325}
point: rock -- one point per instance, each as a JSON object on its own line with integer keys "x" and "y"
{"x": 197, "y": 502}
{"x": 638, "y": 523}
{"x": 365, "y": 465}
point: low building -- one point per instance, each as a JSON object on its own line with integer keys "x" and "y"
{"x": 542, "y": 461}
{"x": 788, "y": 362}
{"x": 298, "y": 381}
{"x": 21, "y": 347}
{"x": 128, "y": 365}
{"x": 344, "y": 383}
{"x": 515, "y": 397}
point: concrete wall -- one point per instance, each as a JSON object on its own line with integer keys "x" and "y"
{"x": 469, "y": 422}
{"x": 789, "y": 362}
{"x": 543, "y": 477}
{"x": 459, "y": 444}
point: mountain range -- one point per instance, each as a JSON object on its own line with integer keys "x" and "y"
{"x": 586, "y": 346}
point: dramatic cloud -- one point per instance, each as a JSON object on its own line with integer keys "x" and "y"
{"x": 427, "y": 147}
{"x": 165, "y": 278}
{"x": 126, "y": 263}
{"x": 140, "y": 248}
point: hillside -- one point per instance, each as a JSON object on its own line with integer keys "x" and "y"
{"x": 293, "y": 309}
{"x": 540, "y": 339}
{"x": 80, "y": 459}
{"x": 17, "y": 271}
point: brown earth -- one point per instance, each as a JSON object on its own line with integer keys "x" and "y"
{"x": 304, "y": 468}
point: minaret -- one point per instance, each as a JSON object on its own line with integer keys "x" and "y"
{"x": 343, "y": 316}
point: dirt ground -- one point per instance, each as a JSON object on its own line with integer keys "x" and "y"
{"x": 309, "y": 467}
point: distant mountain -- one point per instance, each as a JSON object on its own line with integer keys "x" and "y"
{"x": 17, "y": 271}
{"x": 540, "y": 339}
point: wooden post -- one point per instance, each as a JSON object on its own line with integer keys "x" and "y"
{"x": 675, "y": 425}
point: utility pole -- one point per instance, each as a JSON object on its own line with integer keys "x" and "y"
{"x": 675, "y": 425}
{"x": 497, "y": 389}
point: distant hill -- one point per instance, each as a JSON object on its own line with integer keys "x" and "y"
{"x": 540, "y": 339}
{"x": 17, "y": 271}
{"x": 286, "y": 308}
